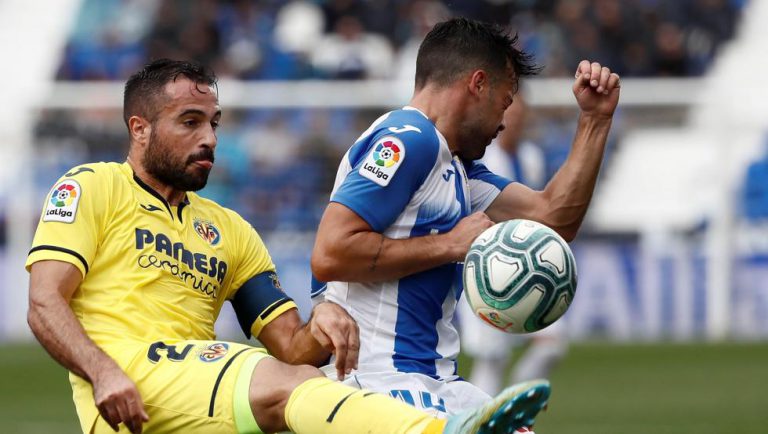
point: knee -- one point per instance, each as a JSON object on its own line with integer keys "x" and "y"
{"x": 272, "y": 383}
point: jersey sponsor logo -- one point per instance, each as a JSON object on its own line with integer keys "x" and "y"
{"x": 62, "y": 202}
{"x": 196, "y": 270}
{"x": 207, "y": 231}
{"x": 447, "y": 175}
{"x": 214, "y": 352}
{"x": 385, "y": 158}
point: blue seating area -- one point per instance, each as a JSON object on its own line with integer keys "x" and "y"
{"x": 276, "y": 167}
{"x": 255, "y": 40}
{"x": 755, "y": 190}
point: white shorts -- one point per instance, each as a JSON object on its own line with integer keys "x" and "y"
{"x": 437, "y": 398}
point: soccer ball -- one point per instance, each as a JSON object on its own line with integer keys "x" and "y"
{"x": 519, "y": 276}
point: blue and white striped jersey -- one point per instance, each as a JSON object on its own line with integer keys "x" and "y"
{"x": 401, "y": 178}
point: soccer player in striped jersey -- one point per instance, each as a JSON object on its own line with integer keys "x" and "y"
{"x": 410, "y": 197}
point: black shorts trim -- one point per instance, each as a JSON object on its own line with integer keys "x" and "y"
{"x": 63, "y": 250}
{"x": 218, "y": 380}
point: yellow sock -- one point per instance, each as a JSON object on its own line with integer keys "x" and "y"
{"x": 435, "y": 427}
{"x": 322, "y": 406}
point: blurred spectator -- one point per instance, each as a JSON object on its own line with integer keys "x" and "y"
{"x": 107, "y": 41}
{"x": 351, "y": 53}
{"x": 421, "y": 15}
{"x": 670, "y": 50}
{"x": 271, "y": 39}
{"x": 298, "y": 27}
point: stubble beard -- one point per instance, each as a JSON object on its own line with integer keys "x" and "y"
{"x": 474, "y": 142}
{"x": 160, "y": 163}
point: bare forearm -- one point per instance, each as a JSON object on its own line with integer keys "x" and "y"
{"x": 372, "y": 257}
{"x": 305, "y": 349}
{"x": 62, "y": 336}
{"x": 330, "y": 330}
{"x": 570, "y": 190}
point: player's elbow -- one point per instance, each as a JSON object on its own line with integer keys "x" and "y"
{"x": 568, "y": 232}
{"x": 35, "y": 313}
{"x": 563, "y": 216}
{"x": 565, "y": 227}
{"x": 325, "y": 267}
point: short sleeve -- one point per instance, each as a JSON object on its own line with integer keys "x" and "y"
{"x": 386, "y": 171}
{"x": 484, "y": 185}
{"x": 72, "y": 222}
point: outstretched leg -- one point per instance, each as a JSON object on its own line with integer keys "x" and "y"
{"x": 298, "y": 398}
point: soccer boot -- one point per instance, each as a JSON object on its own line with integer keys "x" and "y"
{"x": 514, "y": 408}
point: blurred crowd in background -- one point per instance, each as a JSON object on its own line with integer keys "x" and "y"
{"x": 278, "y": 165}
{"x": 358, "y": 39}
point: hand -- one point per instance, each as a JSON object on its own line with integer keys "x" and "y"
{"x": 596, "y": 89}
{"x": 118, "y": 399}
{"x": 466, "y": 231}
{"x": 338, "y": 333}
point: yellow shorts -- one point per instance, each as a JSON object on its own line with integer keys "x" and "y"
{"x": 187, "y": 386}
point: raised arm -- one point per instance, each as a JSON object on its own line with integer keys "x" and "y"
{"x": 347, "y": 249}
{"x": 52, "y": 284}
{"x": 563, "y": 203}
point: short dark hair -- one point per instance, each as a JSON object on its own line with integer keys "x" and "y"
{"x": 145, "y": 86}
{"x": 459, "y": 45}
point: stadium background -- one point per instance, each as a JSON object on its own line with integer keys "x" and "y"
{"x": 670, "y": 322}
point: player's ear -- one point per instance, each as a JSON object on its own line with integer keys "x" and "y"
{"x": 139, "y": 129}
{"x": 478, "y": 82}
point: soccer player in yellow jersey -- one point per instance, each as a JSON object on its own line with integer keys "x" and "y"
{"x": 129, "y": 271}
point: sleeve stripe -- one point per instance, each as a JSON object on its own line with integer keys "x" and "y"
{"x": 273, "y": 307}
{"x": 275, "y": 310}
{"x": 61, "y": 249}
{"x": 317, "y": 291}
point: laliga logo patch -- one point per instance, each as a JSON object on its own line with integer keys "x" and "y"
{"x": 386, "y": 154}
{"x": 383, "y": 161}
{"x": 494, "y": 320}
{"x": 207, "y": 231}
{"x": 62, "y": 202}
{"x": 213, "y": 352}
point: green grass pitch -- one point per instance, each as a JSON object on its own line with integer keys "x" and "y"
{"x": 659, "y": 389}
{"x": 599, "y": 389}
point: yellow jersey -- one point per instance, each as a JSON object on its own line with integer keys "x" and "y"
{"x": 151, "y": 271}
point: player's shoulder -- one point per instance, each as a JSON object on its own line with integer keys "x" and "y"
{"x": 410, "y": 124}
{"x": 89, "y": 183}
{"x": 88, "y": 176}
{"x": 92, "y": 170}
{"x": 412, "y": 132}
